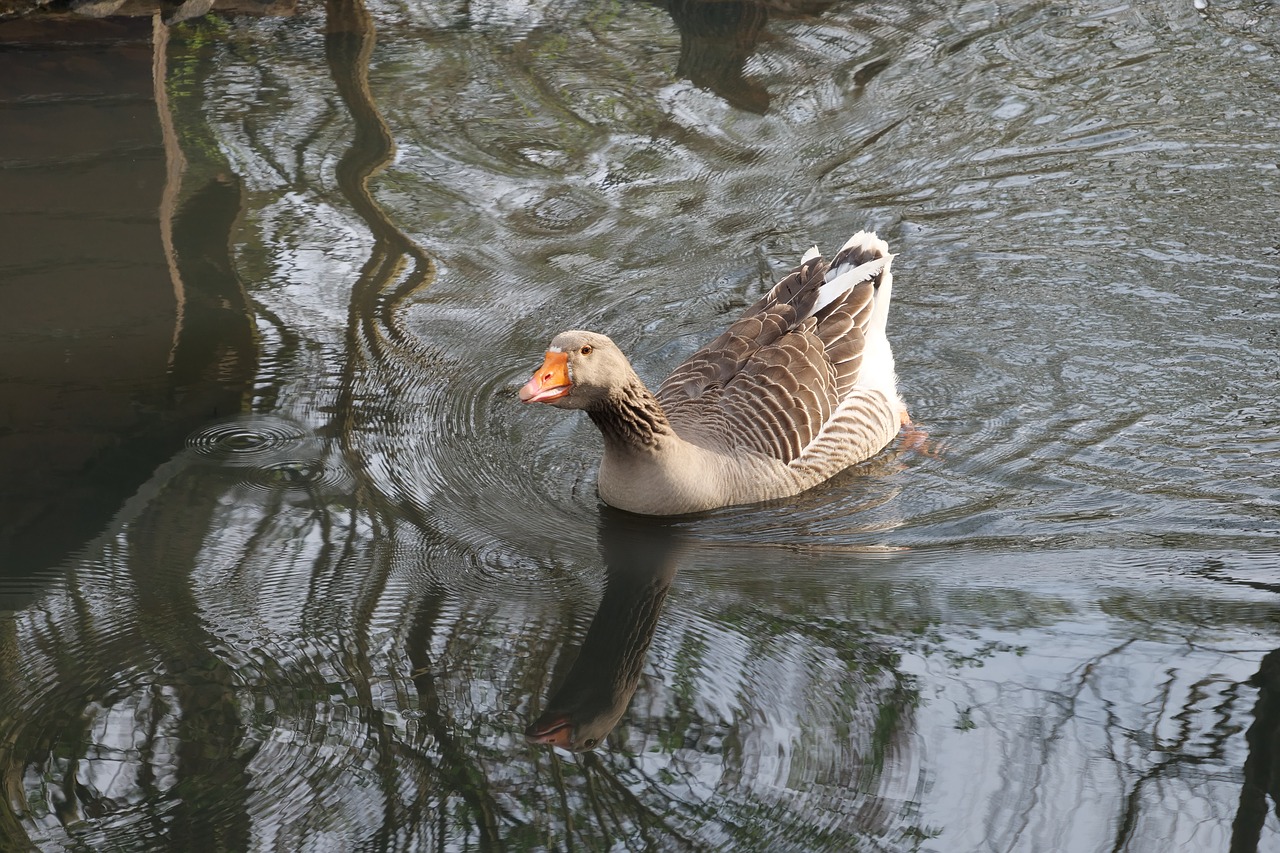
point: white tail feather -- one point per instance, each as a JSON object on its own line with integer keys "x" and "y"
{"x": 845, "y": 279}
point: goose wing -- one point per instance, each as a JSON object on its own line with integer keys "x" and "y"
{"x": 777, "y": 376}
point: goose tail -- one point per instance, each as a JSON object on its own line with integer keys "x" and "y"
{"x": 864, "y": 256}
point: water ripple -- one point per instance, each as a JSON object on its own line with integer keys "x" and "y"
{"x": 248, "y": 440}
{"x": 272, "y": 454}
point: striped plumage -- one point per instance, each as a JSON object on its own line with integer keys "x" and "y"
{"x": 799, "y": 388}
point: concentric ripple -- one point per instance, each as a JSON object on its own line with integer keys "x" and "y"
{"x": 250, "y": 440}
{"x": 270, "y": 453}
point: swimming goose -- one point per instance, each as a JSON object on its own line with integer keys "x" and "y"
{"x": 799, "y": 388}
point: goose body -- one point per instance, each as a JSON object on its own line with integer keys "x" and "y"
{"x": 797, "y": 389}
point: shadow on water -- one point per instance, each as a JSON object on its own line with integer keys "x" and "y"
{"x": 150, "y": 670}
{"x": 115, "y": 350}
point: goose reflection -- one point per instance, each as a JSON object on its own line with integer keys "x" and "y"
{"x": 640, "y": 557}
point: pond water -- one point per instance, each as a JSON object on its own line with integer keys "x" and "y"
{"x": 287, "y": 566}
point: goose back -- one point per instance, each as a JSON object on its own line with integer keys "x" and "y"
{"x": 778, "y": 375}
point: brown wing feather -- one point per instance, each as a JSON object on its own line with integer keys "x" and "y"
{"x": 760, "y": 325}
{"x": 772, "y": 380}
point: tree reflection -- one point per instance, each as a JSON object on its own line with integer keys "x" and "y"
{"x": 1262, "y": 768}
{"x": 717, "y": 37}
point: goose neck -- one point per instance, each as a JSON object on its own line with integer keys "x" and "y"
{"x": 632, "y": 419}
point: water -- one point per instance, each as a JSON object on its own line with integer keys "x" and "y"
{"x": 289, "y": 566}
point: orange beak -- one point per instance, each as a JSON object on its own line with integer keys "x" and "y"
{"x": 549, "y": 382}
{"x": 557, "y": 731}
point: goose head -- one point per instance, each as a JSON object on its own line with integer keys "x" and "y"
{"x": 580, "y": 371}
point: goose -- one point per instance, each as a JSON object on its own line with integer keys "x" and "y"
{"x": 797, "y": 389}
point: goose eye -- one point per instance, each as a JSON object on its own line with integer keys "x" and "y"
{"x": 590, "y": 742}
{"x": 586, "y": 349}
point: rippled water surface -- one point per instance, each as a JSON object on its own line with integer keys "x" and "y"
{"x": 290, "y": 568}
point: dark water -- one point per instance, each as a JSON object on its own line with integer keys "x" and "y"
{"x": 288, "y": 567}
